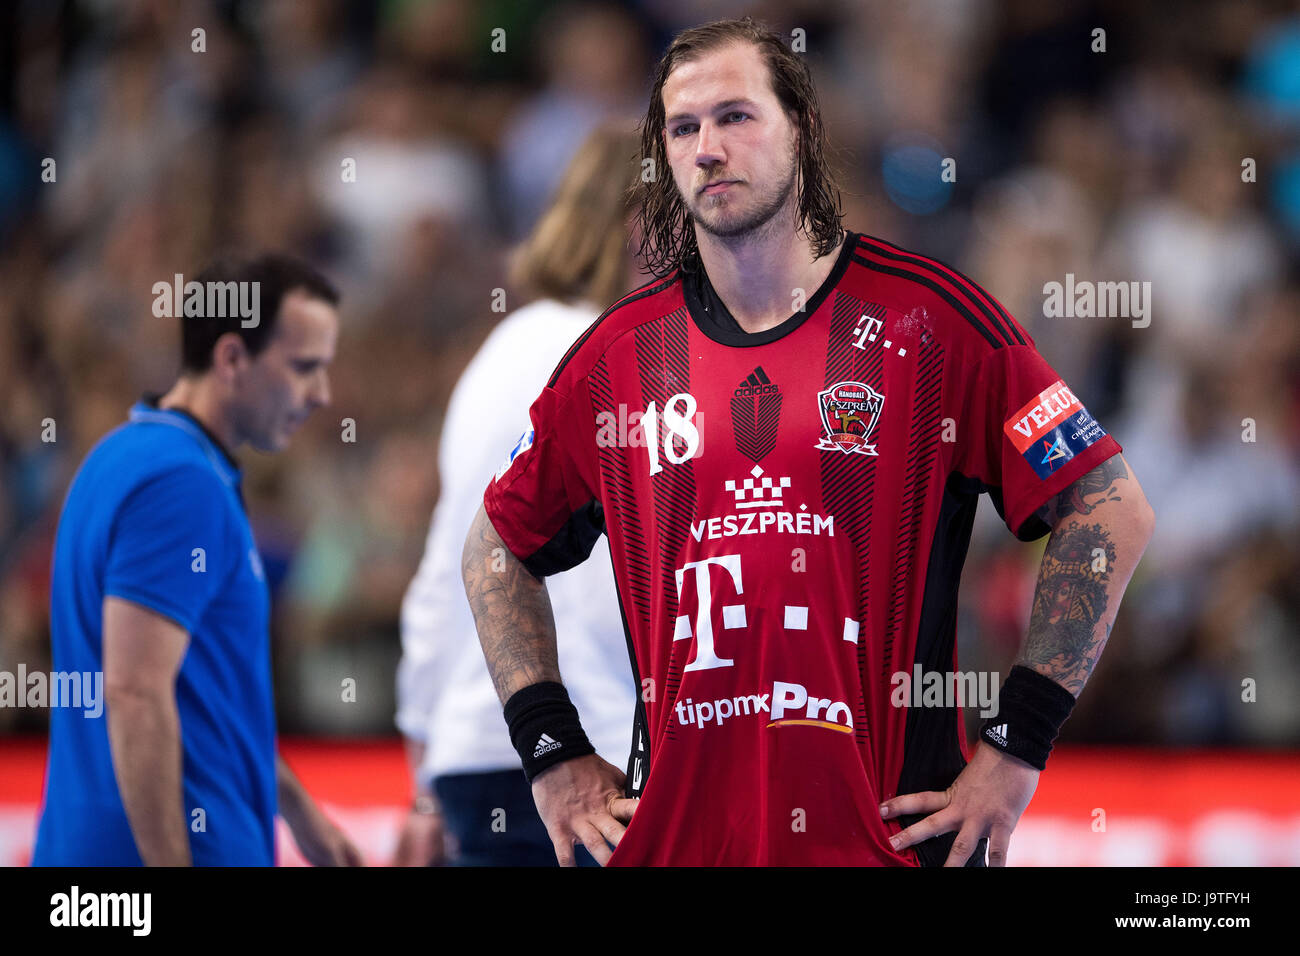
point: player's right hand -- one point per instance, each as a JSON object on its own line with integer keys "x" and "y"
{"x": 581, "y": 801}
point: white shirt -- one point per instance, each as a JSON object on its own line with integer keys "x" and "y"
{"x": 445, "y": 696}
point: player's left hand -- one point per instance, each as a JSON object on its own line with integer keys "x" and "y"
{"x": 986, "y": 800}
{"x": 321, "y": 842}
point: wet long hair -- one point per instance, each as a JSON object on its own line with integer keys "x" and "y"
{"x": 668, "y": 236}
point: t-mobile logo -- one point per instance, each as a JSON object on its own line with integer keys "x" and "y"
{"x": 733, "y": 615}
{"x": 868, "y": 328}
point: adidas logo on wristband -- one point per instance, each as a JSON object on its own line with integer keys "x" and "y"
{"x": 544, "y": 727}
{"x": 998, "y": 734}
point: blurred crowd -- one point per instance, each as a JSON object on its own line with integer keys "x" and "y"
{"x": 404, "y": 146}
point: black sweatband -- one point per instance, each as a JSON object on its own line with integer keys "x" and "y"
{"x": 1031, "y": 710}
{"x": 544, "y": 727}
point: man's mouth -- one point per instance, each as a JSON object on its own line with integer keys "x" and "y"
{"x": 720, "y": 186}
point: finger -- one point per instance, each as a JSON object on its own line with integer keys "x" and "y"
{"x": 927, "y": 801}
{"x": 563, "y": 850}
{"x": 922, "y": 830}
{"x": 594, "y": 842}
{"x": 609, "y": 827}
{"x": 963, "y": 848}
{"x": 562, "y": 840}
{"x": 622, "y": 808}
{"x": 355, "y": 857}
{"x": 999, "y": 843}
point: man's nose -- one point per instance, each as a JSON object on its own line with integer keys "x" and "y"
{"x": 708, "y": 146}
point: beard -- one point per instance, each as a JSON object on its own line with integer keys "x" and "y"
{"x": 720, "y": 222}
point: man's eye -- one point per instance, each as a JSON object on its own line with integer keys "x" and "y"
{"x": 677, "y": 130}
{"x": 734, "y": 113}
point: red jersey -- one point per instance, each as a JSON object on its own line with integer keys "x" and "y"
{"x": 788, "y": 512}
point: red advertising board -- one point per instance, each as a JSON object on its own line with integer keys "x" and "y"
{"x": 1093, "y": 807}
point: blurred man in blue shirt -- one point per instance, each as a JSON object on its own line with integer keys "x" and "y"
{"x": 157, "y": 583}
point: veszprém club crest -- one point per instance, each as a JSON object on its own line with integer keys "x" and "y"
{"x": 848, "y": 412}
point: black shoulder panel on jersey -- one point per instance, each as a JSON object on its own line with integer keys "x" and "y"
{"x": 571, "y": 545}
{"x": 650, "y": 289}
{"x": 1002, "y": 323}
{"x": 1031, "y": 529}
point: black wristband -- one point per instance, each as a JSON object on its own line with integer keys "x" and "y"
{"x": 1031, "y": 710}
{"x": 544, "y": 727}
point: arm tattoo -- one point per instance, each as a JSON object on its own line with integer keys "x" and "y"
{"x": 1069, "y": 602}
{"x": 1095, "y": 487}
{"x": 511, "y": 610}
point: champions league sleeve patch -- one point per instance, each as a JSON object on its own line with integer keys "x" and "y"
{"x": 525, "y": 442}
{"x": 1052, "y": 428}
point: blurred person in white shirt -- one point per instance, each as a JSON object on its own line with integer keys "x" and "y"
{"x": 472, "y": 803}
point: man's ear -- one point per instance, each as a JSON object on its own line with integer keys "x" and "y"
{"x": 229, "y": 356}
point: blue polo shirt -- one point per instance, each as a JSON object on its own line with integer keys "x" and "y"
{"x": 155, "y": 516}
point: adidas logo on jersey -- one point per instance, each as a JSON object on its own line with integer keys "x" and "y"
{"x": 998, "y": 734}
{"x": 756, "y": 383}
{"x": 756, "y": 414}
{"x": 545, "y": 744}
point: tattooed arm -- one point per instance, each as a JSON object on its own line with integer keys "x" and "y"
{"x": 1100, "y": 526}
{"x": 580, "y": 800}
{"x": 511, "y": 610}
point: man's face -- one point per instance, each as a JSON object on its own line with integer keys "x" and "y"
{"x": 730, "y": 144}
{"x": 288, "y": 380}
